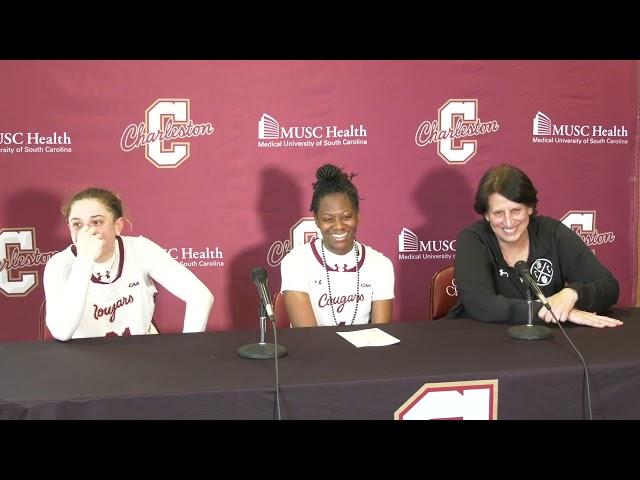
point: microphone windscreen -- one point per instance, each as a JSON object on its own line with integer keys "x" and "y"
{"x": 258, "y": 275}
{"x": 521, "y": 267}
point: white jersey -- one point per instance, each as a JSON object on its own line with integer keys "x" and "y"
{"x": 79, "y": 305}
{"x": 302, "y": 270}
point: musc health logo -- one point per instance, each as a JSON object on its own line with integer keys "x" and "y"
{"x": 545, "y": 131}
{"x": 412, "y": 248}
{"x": 271, "y": 134}
{"x": 35, "y": 142}
{"x": 191, "y": 257}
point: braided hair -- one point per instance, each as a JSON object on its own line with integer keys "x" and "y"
{"x": 331, "y": 179}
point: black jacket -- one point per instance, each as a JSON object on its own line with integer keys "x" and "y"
{"x": 491, "y": 291}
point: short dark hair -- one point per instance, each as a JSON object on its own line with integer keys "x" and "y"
{"x": 510, "y": 182}
{"x": 108, "y": 198}
{"x": 331, "y": 179}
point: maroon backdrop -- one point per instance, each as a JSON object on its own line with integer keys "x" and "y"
{"x": 226, "y": 185}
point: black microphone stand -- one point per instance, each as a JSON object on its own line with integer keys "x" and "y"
{"x": 529, "y": 331}
{"x": 262, "y": 350}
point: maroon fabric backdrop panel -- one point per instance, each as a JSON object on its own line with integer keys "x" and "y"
{"x": 215, "y": 159}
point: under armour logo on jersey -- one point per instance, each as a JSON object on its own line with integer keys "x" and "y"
{"x": 503, "y": 273}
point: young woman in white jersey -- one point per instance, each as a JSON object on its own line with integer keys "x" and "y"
{"x": 336, "y": 280}
{"x": 103, "y": 284}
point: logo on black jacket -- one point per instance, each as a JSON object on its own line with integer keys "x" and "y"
{"x": 542, "y": 271}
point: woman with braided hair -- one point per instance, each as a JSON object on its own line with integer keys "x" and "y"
{"x": 336, "y": 280}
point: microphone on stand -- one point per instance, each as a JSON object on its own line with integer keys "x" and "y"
{"x": 539, "y": 332}
{"x": 259, "y": 277}
{"x": 530, "y": 331}
{"x": 523, "y": 270}
{"x": 263, "y": 350}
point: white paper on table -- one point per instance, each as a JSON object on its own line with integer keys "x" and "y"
{"x": 371, "y": 337}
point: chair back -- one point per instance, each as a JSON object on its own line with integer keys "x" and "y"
{"x": 282, "y": 319}
{"x": 443, "y": 293}
{"x": 43, "y": 332}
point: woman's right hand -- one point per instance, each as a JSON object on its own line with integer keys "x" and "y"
{"x": 89, "y": 243}
{"x": 561, "y": 303}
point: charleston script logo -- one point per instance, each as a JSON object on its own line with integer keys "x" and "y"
{"x": 303, "y": 231}
{"x": 583, "y": 222}
{"x": 457, "y": 119}
{"x": 19, "y": 257}
{"x": 166, "y": 120}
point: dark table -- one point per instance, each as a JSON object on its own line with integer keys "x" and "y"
{"x": 200, "y": 375}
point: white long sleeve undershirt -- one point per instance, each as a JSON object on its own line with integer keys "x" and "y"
{"x": 67, "y": 279}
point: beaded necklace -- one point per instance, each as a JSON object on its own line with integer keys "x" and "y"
{"x": 324, "y": 264}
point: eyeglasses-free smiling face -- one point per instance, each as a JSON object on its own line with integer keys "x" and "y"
{"x": 509, "y": 220}
{"x": 338, "y": 222}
